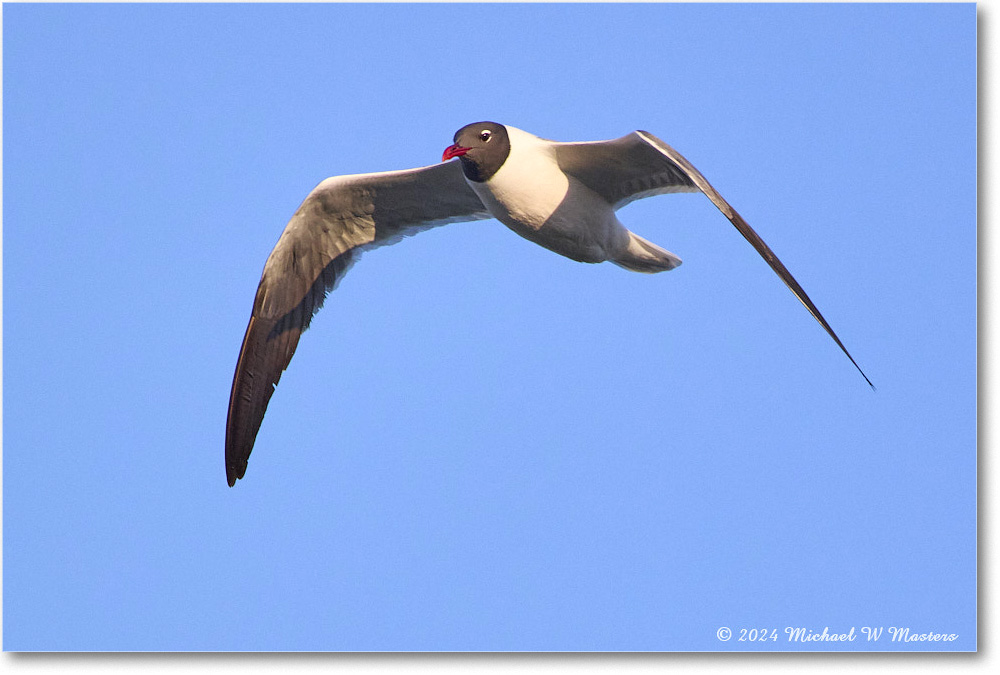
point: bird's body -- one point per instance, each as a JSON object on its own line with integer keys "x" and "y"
{"x": 532, "y": 196}
{"x": 562, "y": 196}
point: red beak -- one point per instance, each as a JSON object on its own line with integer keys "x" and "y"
{"x": 453, "y": 151}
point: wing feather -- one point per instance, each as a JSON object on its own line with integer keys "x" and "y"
{"x": 340, "y": 218}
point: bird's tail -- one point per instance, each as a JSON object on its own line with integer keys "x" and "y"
{"x": 645, "y": 256}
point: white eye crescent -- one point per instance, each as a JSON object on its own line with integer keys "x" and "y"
{"x": 485, "y": 135}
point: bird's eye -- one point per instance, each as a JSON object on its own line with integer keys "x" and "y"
{"x": 485, "y": 135}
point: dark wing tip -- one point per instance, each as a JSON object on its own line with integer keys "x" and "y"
{"x": 870, "y": 384}
{"x": 844, "y": 349}
{"x": 752, "y": 237}
{"x": 779, "y": 268}
{"x": 234, "y": 472}
{"x": 263, "y": 357}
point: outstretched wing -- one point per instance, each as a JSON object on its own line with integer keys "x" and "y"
{"x": 342, "y": 217}
{"x": 641, "y": 165}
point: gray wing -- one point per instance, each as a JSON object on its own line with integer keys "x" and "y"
{"x": 641, "y": 165}
{"x": 340, "y": 218}
{"x": 623, "y": 170}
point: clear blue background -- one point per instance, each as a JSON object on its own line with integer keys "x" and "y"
{"x": 481, "y": 445}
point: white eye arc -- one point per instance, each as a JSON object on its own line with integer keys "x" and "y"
{"x": 485, "y": 135}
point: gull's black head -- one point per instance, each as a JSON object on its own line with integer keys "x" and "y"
{"x": 483, "y": 148}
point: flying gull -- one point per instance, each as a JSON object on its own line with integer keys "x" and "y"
{"x": 562, "y": 196}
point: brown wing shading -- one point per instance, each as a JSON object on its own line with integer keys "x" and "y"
{"x": 341, "y": 218}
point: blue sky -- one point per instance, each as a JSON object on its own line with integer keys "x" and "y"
{"x": 480, "y": 445}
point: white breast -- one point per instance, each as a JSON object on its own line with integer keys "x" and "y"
{"x": 532, "y": 196}
{"x": 529, "y": 187}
